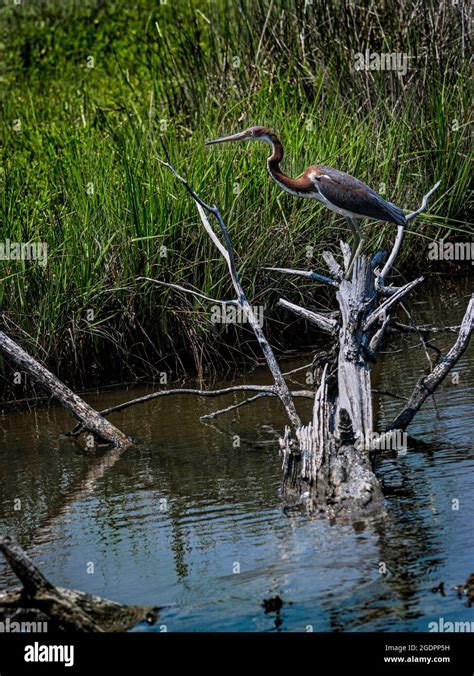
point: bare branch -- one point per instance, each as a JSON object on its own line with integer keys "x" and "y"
{"x": 304, "y": 273}
{"x": 378, "y": 336}
{"x": 387, "y": 393}
{"x": 324, "y": 323}
{"x": 424, "y": 202}
{"x": 300, "y": 368}
{"x": 346, "y": 253}
{"x": 203, "y": 205}
{"x": 383, "y": 290}
{"x": 297, "y": 393}
{"x": 264, "y": 389}
{"x": 225, "y": 253}
{"x": 398, "y": 327}
{"x": 214, "y": 414}
{"x": 333, "y": 266}
{"x": 281, "y": 387}
{"x": 393, "y": 254}
{"x": 390, "y": 302}
{"x": 401, "y": 231}
{"x": 190, "y": 291}
{"x": 426, "y": 385}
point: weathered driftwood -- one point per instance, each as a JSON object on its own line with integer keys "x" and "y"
{"x": 62, "y": 609}
{"x": 89, "y": 419}
{"x": 264, "y": 390}
{"x": 326, "y": 324}
{"x": 327, "y": 461}
{"x": 401, "y": 231}
{"x": 325, "y": 466}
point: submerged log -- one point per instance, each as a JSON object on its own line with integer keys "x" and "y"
{"x": 62, "y": 609}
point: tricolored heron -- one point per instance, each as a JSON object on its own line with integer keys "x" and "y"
{"x": 337, "y": 190}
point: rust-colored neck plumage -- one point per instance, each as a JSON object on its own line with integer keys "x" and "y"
{"x": 276, "y": 157}
{"x": 300, "y": 186}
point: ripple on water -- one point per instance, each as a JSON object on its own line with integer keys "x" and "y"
{"x": 187, "y": 521}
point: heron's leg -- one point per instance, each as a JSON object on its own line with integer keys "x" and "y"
{"x": 359, "y": 240}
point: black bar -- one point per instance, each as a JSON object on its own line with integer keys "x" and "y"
{"x": 313, "y": 653}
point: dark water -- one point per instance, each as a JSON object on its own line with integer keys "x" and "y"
{"x": 171, "y": 521}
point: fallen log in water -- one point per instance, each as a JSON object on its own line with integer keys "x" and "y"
{"x": 60, "y": 609}
{"x": 89, "y": 419}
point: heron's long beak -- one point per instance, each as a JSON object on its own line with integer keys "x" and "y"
{"x": 242, "y": 136}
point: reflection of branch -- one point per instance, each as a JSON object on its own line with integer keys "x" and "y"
{"x": 281, "y": 387}
{"x": 426, "y": 385}
{"x": 401, "y": 232}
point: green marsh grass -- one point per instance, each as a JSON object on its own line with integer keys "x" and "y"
{"x": 80, "y": 168}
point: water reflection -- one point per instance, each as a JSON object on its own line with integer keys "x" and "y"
{"x": 191, "y": 520}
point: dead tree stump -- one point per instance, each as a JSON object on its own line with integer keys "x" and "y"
{"x": 328, "y": 461}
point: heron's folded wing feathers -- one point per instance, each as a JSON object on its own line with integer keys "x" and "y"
{"x": 350, "y": 194}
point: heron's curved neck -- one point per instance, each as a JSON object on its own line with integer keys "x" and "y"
{"x": 273, "y": 162}
{"x": 273, "y": 165}
{"x": 301, "y": 187}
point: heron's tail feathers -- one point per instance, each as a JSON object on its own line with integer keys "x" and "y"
{"x": 394, "y": 213}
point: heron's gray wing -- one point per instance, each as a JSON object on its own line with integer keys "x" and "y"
{"x": 350, "y": 194}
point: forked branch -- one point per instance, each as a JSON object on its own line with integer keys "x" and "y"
{"x": 326, "y": 324}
